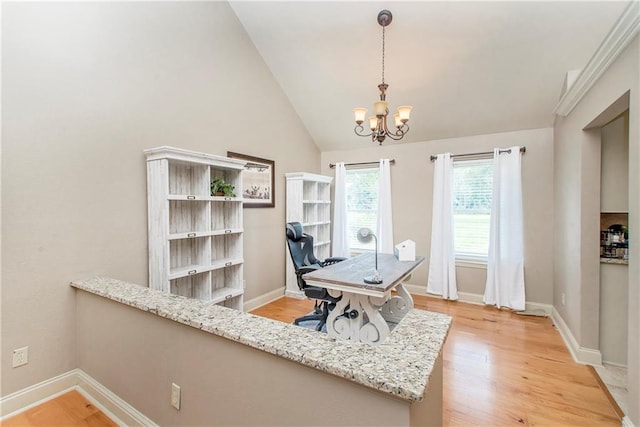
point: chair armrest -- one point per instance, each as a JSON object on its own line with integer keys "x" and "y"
{"x": 332, "y": 260}
{"x": 307, "y": 269}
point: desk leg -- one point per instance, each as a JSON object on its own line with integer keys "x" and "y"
{"x": 397, "y": 306}
{"x": 375, "y": 331}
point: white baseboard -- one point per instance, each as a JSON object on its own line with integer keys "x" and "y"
{"x": 36, "y": 394}
{"x": 472, "y": 298}
{"x": 263, "y": 299}
{"x": 626, "y": 422}
{"x": 583, "y": 355}
{"x": 108, "y": 402}
{"x": 295, "y": 294}
{"x": 614, "y": 364}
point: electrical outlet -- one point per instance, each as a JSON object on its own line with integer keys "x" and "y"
{"x": 175, "y": 396}
{"x": 20, "y": 356}
{"x": 562, "y": 298}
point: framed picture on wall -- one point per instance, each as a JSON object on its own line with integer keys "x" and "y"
{"x": 258, "y": 181}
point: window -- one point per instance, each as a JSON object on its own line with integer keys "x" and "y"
{"x": 362, "y": 205}
{"x": 472, "y": 185}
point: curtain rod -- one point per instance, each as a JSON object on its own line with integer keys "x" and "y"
{"x": 507, "y": 150}
{"x": 332, "y": 165}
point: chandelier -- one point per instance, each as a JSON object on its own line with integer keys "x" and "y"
{"x": 378, "y": 123}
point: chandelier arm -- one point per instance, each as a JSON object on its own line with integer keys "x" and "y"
{"x": 398, "y": 134}
{"x": 394, "y": 137}
{"x": 360, "y": 128}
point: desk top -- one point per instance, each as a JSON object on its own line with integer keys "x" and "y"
{"x": 351, "y": 272}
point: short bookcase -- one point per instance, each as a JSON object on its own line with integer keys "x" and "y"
{"x": 195, "y": 238}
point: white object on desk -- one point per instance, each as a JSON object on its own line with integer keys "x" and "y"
{"x": 405, "y": 251}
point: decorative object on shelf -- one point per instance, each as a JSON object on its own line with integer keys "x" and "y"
{"x": 258, "y": 182}
{"x": 378, "y": 122}
{"x": 221, "y": 188}
{"x": 364, "y": 236}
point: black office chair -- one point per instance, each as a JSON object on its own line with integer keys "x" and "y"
{"x": 301, "y": 250}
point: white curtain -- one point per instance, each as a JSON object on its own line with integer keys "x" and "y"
{"x": 505, "y": 266}
{"x": 442, "y": 262}
{"x": 385, "y": 220}
{"x": 340, "y": 240}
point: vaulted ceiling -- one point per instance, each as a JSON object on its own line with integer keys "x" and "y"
{"x": 467, "y": 68}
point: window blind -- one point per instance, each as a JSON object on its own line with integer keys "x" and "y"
{"x": 362, "y": 204}
{"x": 472, "y": 188}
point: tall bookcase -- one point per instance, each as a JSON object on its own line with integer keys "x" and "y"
{"x": 308, "y": 202}
{"x": 195, "y": 239}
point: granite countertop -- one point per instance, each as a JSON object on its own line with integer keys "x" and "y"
{"x": 620, "y": 261}
{"x": 401, "y": 366}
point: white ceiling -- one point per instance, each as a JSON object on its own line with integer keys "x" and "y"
{"x": 467, "y": 68}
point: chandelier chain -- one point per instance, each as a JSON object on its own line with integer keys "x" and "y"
{"x": 383, "y": 28}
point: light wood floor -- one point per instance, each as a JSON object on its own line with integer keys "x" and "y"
{"x": 501, "y": 368}
{"x": 69, "y": 409}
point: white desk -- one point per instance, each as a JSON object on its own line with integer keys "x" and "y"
{"x": 374, "y": 304}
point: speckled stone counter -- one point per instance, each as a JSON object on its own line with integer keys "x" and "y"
{"x": 401, "y": 366}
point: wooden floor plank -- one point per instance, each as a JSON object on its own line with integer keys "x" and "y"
{"x": 501, "y": 368}
{"x": 69, "y": 409}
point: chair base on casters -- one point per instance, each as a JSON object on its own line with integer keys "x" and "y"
{"x": 321, "y": 317}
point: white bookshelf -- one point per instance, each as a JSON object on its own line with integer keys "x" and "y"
{"x": 195, "y": 239}
{"x": 308, "y": 201}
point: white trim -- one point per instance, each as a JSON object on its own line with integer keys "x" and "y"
{"x": 615, "y": 364}
{"x": 626, "y": 422}
{"x": 36, "y": 394}
{"x": 467, "y": 263}
{"x": 622, "y": 33}
{"x": 108, "y": 402}
{"x": 471, "y": 298}
{"x": 111, "y": 404}
{"x": 263, "y": 299}
{"x": 294, "y": 294}
{"x": 583, "y": 355}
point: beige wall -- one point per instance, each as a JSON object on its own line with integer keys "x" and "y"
{"x": 138, "y": 355}
{"x": 87, "y": 87}
{"x": 614, "y": 179}
{"x": 614, "y": 279}
{"x": 576, "y": 212}
{"x": 412, "y": 186}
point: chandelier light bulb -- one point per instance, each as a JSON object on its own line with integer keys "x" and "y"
{"x": 405, "y": 113}
{"x": 360, "y": 114}
{"x": 373, "y": 122}
{"x": 380, "y": 108}
{"x": 397, "y": 121}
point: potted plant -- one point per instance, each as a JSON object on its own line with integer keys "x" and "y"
{"x": 219, "y": 187}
